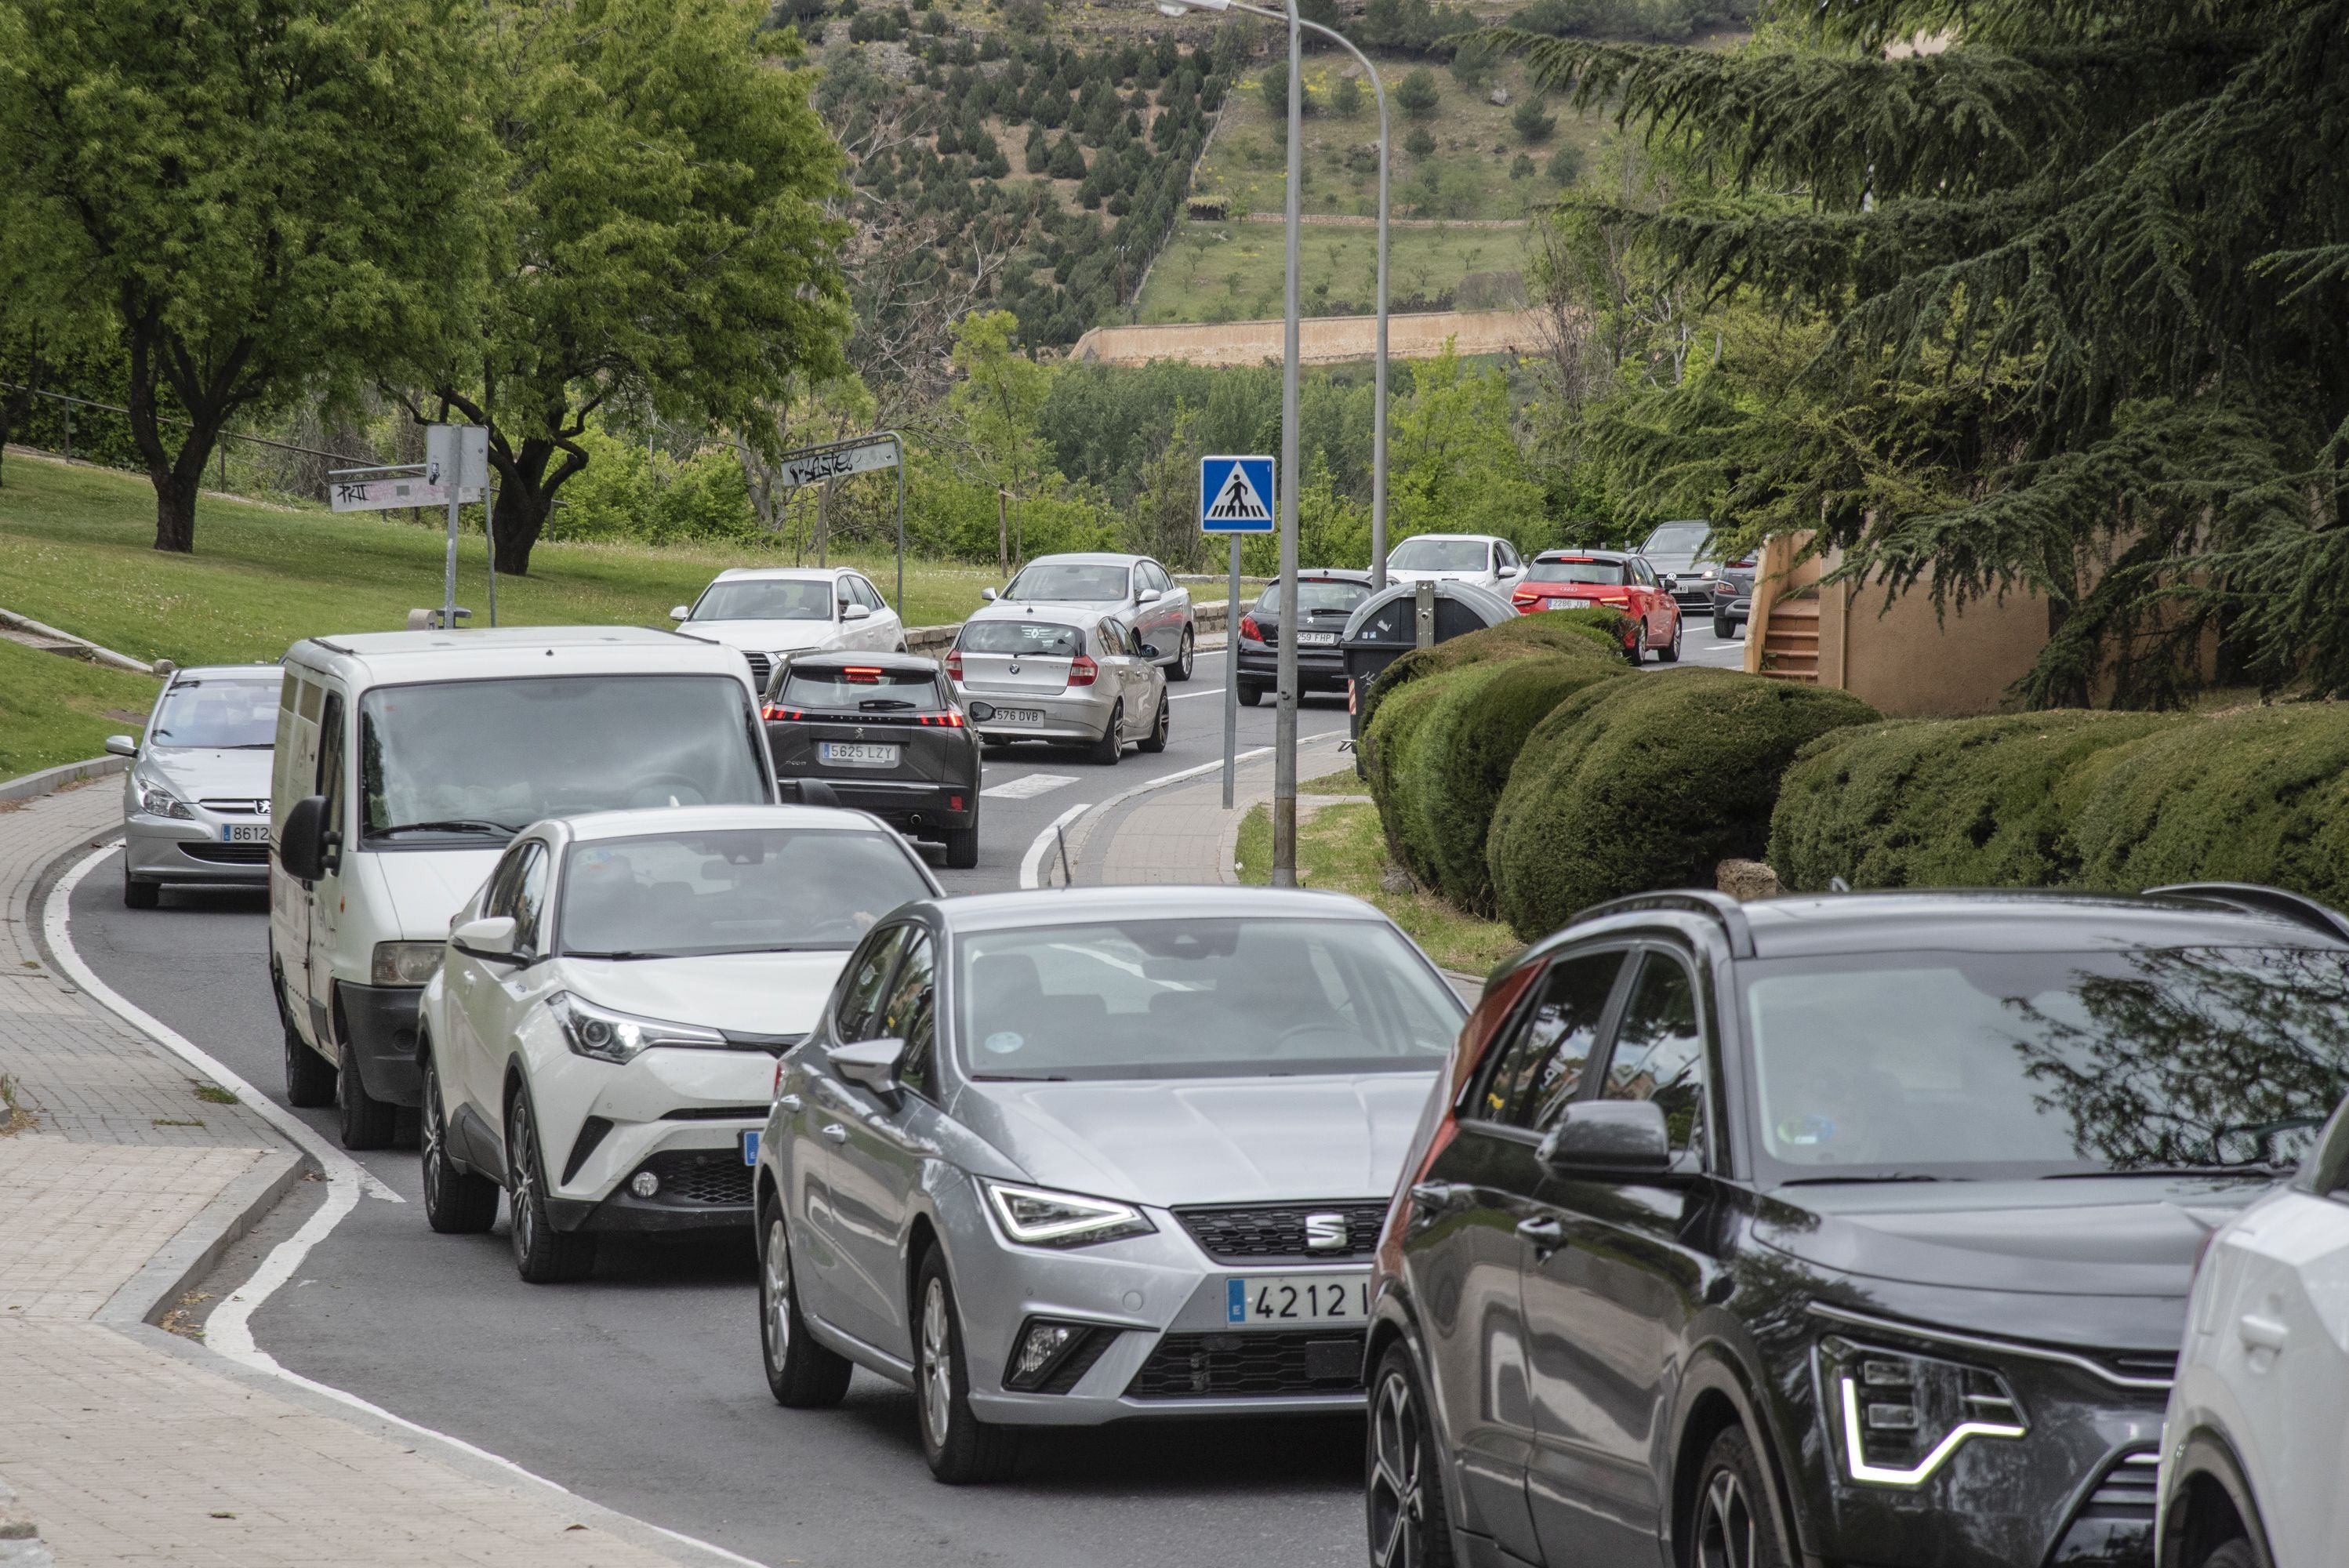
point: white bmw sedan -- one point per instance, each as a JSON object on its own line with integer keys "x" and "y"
{"x": 599, "y": 1043}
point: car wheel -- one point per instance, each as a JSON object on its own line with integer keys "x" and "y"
{"x": 542, "y": 1254}
{"x": 1735, "y": 1523}
{"x": 309, "y": 1076}
{"x": 961, "y": 1449}
{"x": 1106, "y": 751}
{"x": 1638, "y": 652}
{"x": 2236, "y": 1553}
{"x": 140, "y": 893}
{"x": 992, "y": 746}
{"x": 1251, "y": 696}
{"x": 1404, "y": 1492}
{"x": 962, "y": 848}
{"x": 456, "y": 1203}
{"x": 1669, "y": 653}
{"x": 1724, "y": 628}
{"x": 1155, "y": 741}
{"x": 363, "y": 1120}
{"x": 1186, "y": 655}
{"x": 800, "y": 1373}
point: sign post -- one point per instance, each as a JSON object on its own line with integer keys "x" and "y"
{"x": 1236, "y": 497}
{"x": 457, "y": 458}
{"x": 858, "y": 455}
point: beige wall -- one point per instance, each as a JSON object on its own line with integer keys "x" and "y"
{"x": 1905, "y": 661}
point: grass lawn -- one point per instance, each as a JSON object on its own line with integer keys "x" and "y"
{"x": 1232, "y": 271}
{"x": 55, "y": 709}
{"x": 75, "y": 553}
{"x": 1341, "y": 847}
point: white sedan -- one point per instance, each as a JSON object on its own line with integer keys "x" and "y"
{"x": 599, "y": 1043}
{"x": 1486, "y": 560}
{"x": 765, "y": 611}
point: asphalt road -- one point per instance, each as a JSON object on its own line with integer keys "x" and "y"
{"x": 641, "y": 1389}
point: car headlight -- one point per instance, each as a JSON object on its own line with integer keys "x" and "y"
{"x": 1039, "y": 1217}
{"x": 404, "y": 962}
{"x": 614, "y": 1037}
{"x": 1897, "y": 1417}
{"x": 157, "y": 802}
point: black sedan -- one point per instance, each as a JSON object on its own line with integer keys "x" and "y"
{"x": 1842, "y": 1229}
{"x": 1733, "y": 597}
{"x": 883, "y": 731}
{"x": 1329, "y": 598}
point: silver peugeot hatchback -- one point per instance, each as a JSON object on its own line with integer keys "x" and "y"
{"x": 1070, "y": 1157}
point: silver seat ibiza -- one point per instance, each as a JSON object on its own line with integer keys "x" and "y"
{"x": 1076, "y": 1156}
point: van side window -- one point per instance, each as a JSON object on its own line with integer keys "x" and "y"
{"x": 311, "y": 693}
{"x": 330, "y": 761}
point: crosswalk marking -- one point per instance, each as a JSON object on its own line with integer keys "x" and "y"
{"x": 1027, "y": 787}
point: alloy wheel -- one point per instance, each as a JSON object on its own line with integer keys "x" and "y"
{"x": 1185, "y": 655}
{"x": 524, "y": 1162}
{"x": 1398, "y": 1479}
{"x": 1728, "y": 1533}
{"x": 433, "y": 1155}
{"x": 937, "y": 1364}
{"x": 775, "y": 1276}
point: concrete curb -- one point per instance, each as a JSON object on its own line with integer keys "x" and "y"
{"x": 190, "y": 1255}
{"x": 94, "y": 652}
{"x": 64, "y": 775}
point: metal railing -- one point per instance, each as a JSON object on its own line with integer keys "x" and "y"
{"x": 72, "y": 403}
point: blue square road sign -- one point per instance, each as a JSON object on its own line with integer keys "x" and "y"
{"x": 1235, "y": 495}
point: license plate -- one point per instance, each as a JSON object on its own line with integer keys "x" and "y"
{"x": 750, "y": 1146}
{"x": 851, "y": 754}
{"x": 1268, "y": 1300}
{"x": 1317, "y": 639}
{"x": 1567, "y": 605}
{"x": 1018, "y": 716}
{"x": 244, "y": 833}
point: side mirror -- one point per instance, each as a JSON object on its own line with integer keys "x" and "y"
{"x": 980, "y": 712}
{"x": 680, "y": 612}
{"x": 854, "y": 612}
{"x": 1150, "y": 650}
{"x": 806, "y": 792}
{"x": 121, "y": 746}
{"x": 1608, "y": 1137}
{"x": 1147, "y": 596}
{"x": 872, "y": 1063}
{"x": 1510, "y": 570}
{"x": 1670, "y": 579}
{"x": 490, "y": 937}
{"x": 987, "y": 595}
{"x": 307, "y": 847}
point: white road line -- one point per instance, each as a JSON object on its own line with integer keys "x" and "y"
{"x": 1187, "y": 695}
{"x": 1031, "y": 864}
{"x": 229, "y": 1330}
{"x": 1026, "y": 788}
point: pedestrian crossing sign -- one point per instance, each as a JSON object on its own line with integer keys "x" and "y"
{"x": 1235, "y": 495}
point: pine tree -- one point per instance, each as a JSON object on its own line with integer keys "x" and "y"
{"x": 2063, "y": 306}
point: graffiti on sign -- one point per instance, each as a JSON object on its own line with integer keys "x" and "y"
{"x": 818, "y": 467}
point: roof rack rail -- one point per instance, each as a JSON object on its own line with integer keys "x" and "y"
{"x": 1724, "y": 910}
{"x": 2298, "y": 908}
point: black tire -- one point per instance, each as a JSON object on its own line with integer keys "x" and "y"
{"x": 1404, "y": 1483}
{"x": 1734, "y": 1522}
{"x": 2236, "y": 1553}
{"x": 1251, "y": 696}
{"x": 363, "y": 1121}
{"x": 542, "y": 1254}
{"x": 1155, "y": 741}
{"x": 1638, "y": 652}
{"x": 1105, "y": 751}
{"x": 992, "y": 746}
{"x": 1669, "y": 653}
{"x": 456, "y": 1203}
{"x": 963, "y": 1450}
{"x": 1724, "y": 628}
{"x": 140, "y": 893}
{"x": 309, "y": 1076}
{"x": 962, "y": 848}
{"x": 1186, "y": 658}
{"x": 800, "y": 1374}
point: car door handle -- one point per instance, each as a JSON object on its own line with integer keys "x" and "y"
{"x": 792, "y": 1103}
{"x": 1546, "y": 1234}
{"x": 2259, "y": 1333}
{"x": 836, "y": 1133}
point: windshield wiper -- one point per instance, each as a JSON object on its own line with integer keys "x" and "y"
{"x": 623, "y": 954}
{"x": 1869, "y": 1177}
{"x": 2264, "y": 1172}
{"x": 1020, "y": 1078}
{"x": 450, "y": 825}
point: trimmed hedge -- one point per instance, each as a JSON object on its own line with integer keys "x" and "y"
{"x": 1959, "y": 802}
{"x": 1640, "y": 784}
{"x": 1573, "y": 632}
{"x": 1451, "y": 739}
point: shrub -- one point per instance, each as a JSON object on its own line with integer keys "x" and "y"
{"x": 1566, "y": 164}
{"x": 1346, "y": 96}
{"x": 1456, "y": 737}
{"x": 1530, "y": 122}
{"x": 1419, "y": 141}
{"x": 1956, "y": 802}
{"x": 1417, "y": 95}
{"x": 1594, "y": 632}
{"x": 1648, "y": 783}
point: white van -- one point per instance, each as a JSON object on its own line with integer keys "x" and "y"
{"x": 405, "y": 761}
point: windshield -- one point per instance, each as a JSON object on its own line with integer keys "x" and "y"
{"x": 234, "y": 712}
{"x": 1324, "y": 597}
{"x": 861, "y": 689}
{"x": 2007, "y": 1064}
{"x": 1677, "y": 538}
{"x": 1441, "y": 555}
{"x": 1201, "y": 998}
{"x": 484, "y": 760}
{"x": 747, "y": 890}
{"x": 1038, "y": 639}
{"x": 784, "y": 599}
{"x": 1104, "y": 584}
{"x": 1602, "y": 572}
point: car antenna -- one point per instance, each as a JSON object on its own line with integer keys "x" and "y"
{"x": 1068, "y": 874}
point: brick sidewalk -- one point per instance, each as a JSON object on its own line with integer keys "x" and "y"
{"x": 124, "y": 1446}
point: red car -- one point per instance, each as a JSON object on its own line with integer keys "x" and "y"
{"x": 1575, "y": 578}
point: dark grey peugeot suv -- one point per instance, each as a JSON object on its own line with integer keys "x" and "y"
{"x": 1847, "y": 1230}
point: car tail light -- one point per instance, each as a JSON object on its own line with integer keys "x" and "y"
{"x": 778, "y": 1089}
{"x": 950, "y": 719}
{"x": 862, "y": 674}
{"x": 772, "y": 711}
{"x": 954, "y": 664}
{"x": 1250, "y": 630}
{"x": 1082, "y": 671}
{"x": 953, "y": 803}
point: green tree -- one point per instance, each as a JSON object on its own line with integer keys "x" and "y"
{"x": 1346, "y": 96}
{"x": 1528, "y": 120}
{"x": 661, "y": 242}
{"x": 1274, "y": 87}
{"x": 1164, "y": 521}
{"x": 1417, "y": 95}
{"x": 1419, "y": 141}
{"x": 1068, "y": 159}
{"x": 1452, "y": 460}
{"x": 997, "y": 404}
{"x": 239, "y": 184}
{"x": 1564, "y": 165}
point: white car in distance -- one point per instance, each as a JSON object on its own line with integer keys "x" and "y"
{"x": 599, "y": 1043}
{"x": 765, "y": 611}
{"x": 1486, "y": 560}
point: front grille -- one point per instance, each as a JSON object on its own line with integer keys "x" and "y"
{"x": 592, "y": 1133}
{"x": 2114, "y": 1529}
{"x": 2129, "y": 1490}
{"x": 713, "y": 1176}
{"x": 1260, "y": 1365}
{"x": 1259, "y": 1233}
{"x": 237, "y": 806}
{"x": 228, "y": 854}
{"x": 762, "y": 667}
{"x": 2141, "y": 1363}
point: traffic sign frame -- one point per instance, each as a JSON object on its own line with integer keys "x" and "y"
{"x": 1237, "y": 494}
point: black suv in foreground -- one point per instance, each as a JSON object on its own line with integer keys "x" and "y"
{"x": 1851, "y": 1230}
{"x": 883, "y": 731}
